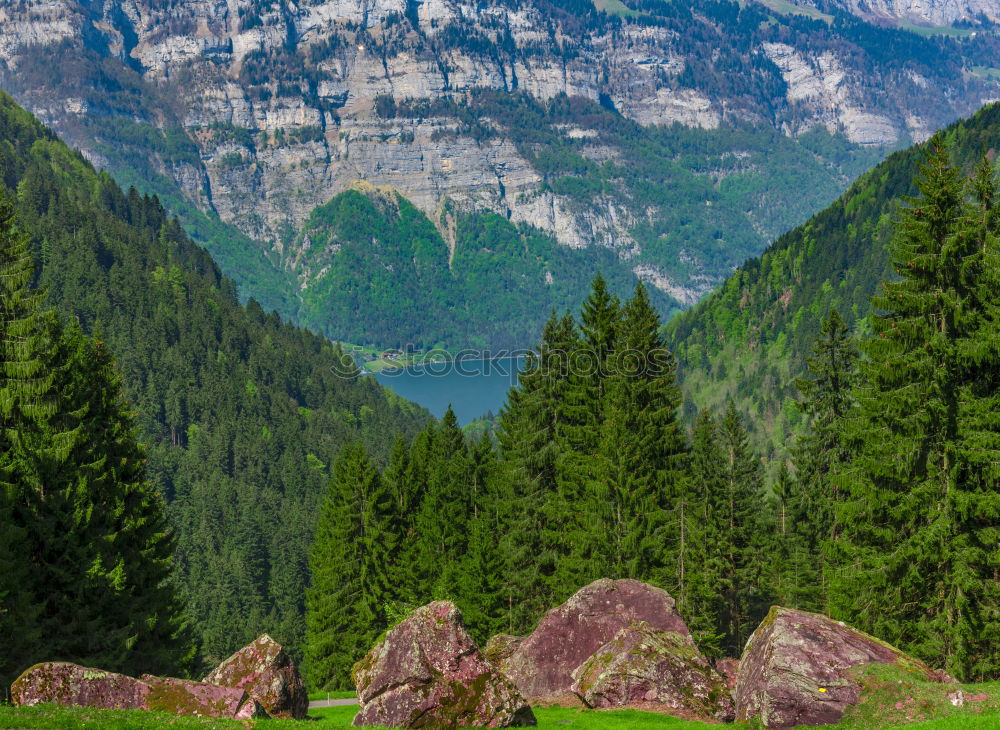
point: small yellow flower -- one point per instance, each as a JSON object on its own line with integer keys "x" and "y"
{"x": 822, "y": 689}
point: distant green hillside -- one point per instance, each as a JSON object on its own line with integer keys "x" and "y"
{"x": 377, "y": 271}
{"x": 749, "y": 338}
{"x": 243, "y": 413}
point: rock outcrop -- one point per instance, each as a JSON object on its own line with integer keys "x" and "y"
{"x": 268, "y": 675}
{"x": 499, "y": 648}
{"x": 543, "y": 664}
{"x": 794, "y": 670}
{"x": 185, "y": 697}
{"x": 71, "y": 685}
{"x": 644, "y": 668}
{"x": 728, "y": 668}
{"x": 427, "y": 672}
{"x": 278, "y": 108}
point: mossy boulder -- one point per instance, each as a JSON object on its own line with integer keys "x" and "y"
{"x": 426, "y": 672}
{"x": 796, "y": 667}
{"x": 268, "y": 675}
{"x": 186, "y": 697}
{"x": 542, "y": 665}
{"x": 647, "y": 669}
{"x": 71, "y": 685}
{"x": 499, "y": 648}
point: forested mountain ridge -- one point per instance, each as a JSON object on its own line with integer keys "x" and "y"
{"x": 242, "y": 413}
{"x": 749, "y": 339}
{"x": 553, "y": 114}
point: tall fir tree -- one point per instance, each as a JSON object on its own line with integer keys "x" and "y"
{"x": 351, "y": 580}
{"x": 920, "y": 521}
{"x": 742, "y": 506}
{"x": 700, "y": 556}
{"x": 79, "y": 510}
{"x": 533, "y": 518}
{"x": 826, "y": 400}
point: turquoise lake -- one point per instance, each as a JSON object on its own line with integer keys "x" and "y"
{"x": 472, "y": 387}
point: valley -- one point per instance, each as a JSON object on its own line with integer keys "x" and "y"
{"x": 535, "y": 143}
{"x": 589, "y": 363}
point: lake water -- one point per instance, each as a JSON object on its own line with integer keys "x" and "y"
{"x": 471, "y": 387}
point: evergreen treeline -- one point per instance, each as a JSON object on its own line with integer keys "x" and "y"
{"x": 592, "y": 475}
{"x": 85, "y": 548}
{"x": 243, "y": 414}
{"x": 887, "y": 514}
{"x": 748, "y": 339}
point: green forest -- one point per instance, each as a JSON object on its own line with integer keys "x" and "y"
{"x": 748, "y": 340}
{"x": 181, "y": 472}
{"x": 884, "y": 515}
{"x": 241, "y": 413}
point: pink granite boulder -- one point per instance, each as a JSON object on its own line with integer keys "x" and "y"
{"x": 499, "y": 648}
{"x": 542, "y": 665}
{"x": 186, "y": 697}
{"x": 71, "y": 685}
{"x": 648, "y": 669}
{"x": 794, "y": 669}
{"x": 728, "y": 668}
{"x": 268, "y": 675}
{"x": 68, "y": 684}
{"x": 428, "y": 673}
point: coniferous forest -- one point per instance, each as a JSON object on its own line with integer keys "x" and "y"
{"x": 885, "y": 515}
{"x": 180, "y": 472}
{"x": 241, "y": 416}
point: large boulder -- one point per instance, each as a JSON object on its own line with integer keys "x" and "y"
{"x": 268, "y": 675}
{"x": 542, "y": 665}
{"x": 795, "y": 669}
{"x": 68, "y": 684}
{"x": 645, "y": 668}
{"x": 499, "y": 648}
{"x": 186, "y": 697}
{"x": 428, "y": 673}
{"x": 728, "y": 668}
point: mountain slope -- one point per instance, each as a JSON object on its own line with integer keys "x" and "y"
{"x": 749, "y": 339}
{"x": 242, "y": 413}
{"x": 255, "y": 113}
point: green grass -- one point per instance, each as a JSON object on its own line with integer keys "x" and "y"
{"x": 342, "y": 695}
{"x": 986, "y": 72}
{"x": 930, "y": 30}
{"x": 884, "y": 687}
{"x": 783, "y": 7}
{"x": 616, "y": 7}
{"x": 893, "y": 697}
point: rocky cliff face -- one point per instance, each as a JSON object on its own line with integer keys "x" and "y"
{"x": 926, "y": 12}
{"x": 288, "y": 104}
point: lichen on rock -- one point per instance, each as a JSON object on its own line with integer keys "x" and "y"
{"x": 186, "y": 697}
{"x": 426, "y": 672}
{"x": 542, "y": 665}
{"x": 645, "y": 668}
{"x": 795, "y": 669}
{"x": 268, "y": 675}
{"x": 71, "y": 685}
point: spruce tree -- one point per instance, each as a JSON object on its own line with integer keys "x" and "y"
{"x": 80, "y": 512}
{"x": 826, "y": 400}
{"x": 700, "y": 556}
{"x": 919, "y": 522}
{"x": 741, "y": 507}
{"x": 533, "y": 515}
{"x": 350, "y": 561}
